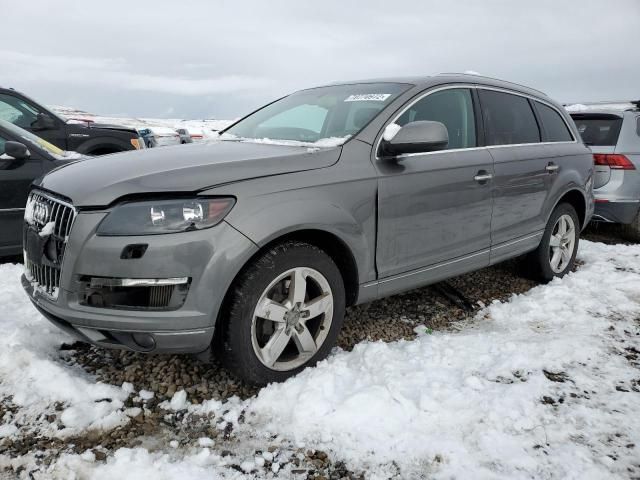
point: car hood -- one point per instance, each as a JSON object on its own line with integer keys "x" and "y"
{"x": 99, "y": 181}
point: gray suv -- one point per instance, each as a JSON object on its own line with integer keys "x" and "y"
{"x": 332, "y": 196}
{"x": 613, "y": 133}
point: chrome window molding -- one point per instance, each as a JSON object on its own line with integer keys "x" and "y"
{"x": 472, "y": 87}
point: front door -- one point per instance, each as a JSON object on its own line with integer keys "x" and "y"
{"x": 15, "y": 179}
{"x": 434, "y": 209}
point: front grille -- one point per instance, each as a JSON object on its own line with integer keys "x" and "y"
{"x": 52, "y": 219}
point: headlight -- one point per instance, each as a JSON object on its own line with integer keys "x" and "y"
{"x": 165, "y": 216}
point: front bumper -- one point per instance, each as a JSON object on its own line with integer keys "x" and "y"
{"x": 210, "y": 258}
{"x": 615, "y": 211}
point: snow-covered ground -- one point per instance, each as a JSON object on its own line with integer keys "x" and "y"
{"x": 545, "y": 385}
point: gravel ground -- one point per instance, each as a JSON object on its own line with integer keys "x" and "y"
{"x": 386, "y": 320}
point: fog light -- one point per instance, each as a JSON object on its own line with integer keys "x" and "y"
{"x": 144, "y": 340}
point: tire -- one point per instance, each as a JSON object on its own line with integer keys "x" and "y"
{"x": 541, "y": 263}
{"x": 266, "y": 290}
{"x": 631, "y": 231}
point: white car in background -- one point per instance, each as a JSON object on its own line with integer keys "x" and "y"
{"x": 165, "y": 136}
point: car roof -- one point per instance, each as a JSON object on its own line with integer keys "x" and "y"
{"x": 442, "y": 78}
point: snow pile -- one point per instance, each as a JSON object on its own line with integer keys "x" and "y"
{"x": 322, "y": 143}
{"x": 536, "y": 387}
{"x": 480, "y": 400}
{"x": 615, "y": 106}
{"x": 33, "y": 375}
{"x": 207, "y": 127}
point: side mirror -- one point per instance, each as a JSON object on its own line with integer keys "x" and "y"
{"x": 414, "y": 137}
{"x": 16, "y": 150}
{"x": 43, "y": 122}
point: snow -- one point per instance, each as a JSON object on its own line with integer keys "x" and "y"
{"x": 534, "y": 387}
{"x": 32, "y": 373}
{"x": 390, "y": 131}
{"x": 452, "y": 403}
{"x": 206, "y": 127}
{"x": 614, "y": 106}
{"x": 47, "y": 229}
{"x": 28, "y": 211}
{"x": 322, "y": 143}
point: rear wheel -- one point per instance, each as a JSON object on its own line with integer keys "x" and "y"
{"x": 284, "y": 314}
{"x": 556, "y": 254}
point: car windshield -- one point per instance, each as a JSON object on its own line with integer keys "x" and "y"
{"x": 30, "y": 139}
{"x": 324, "y": 116}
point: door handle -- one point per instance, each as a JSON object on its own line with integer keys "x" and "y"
{"x": 552, "y": 167}
{"x": 482, "y": 177}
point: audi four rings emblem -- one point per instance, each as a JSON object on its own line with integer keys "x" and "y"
{"x": 41, "y": 213}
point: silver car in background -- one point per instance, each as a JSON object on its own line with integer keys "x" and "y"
{"x": 612, "y": 131}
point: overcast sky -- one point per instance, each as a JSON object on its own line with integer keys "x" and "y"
{"x": 219, "y": 59}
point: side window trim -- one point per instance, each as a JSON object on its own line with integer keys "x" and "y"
{"x": 477, "y": 111}
{"x": 545, "y": 138}
{"x": 480, "y": 128}
{"x": 542, "y": 133}
{"x": 420, "y": 96}
{"x": 530, "y": 98}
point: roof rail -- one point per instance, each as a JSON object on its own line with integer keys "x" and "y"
{"x": 493, "y": 78}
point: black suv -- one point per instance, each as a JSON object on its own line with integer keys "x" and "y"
{"x": 83, "y": 137}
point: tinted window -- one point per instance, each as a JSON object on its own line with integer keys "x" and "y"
{"x": 453, "y": 108}
{"x": 598, "y": 129}
{"x": 508, "y": 119}
{"x": 555, "y": 129}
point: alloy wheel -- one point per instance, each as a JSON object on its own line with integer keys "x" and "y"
{"x": 562, "y": 243}
{"x": 292, "y": 319}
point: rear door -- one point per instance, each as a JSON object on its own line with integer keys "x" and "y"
{"x": 15, "y": 179}
{"x": 434, "y": 209}
{"x": 524, "y": 172}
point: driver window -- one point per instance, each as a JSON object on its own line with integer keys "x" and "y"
{"x": 452, "y": 107}
{"x": 307, "y": 117}
{"x": 2, "y": 142}
{"x": 16, "y": 111}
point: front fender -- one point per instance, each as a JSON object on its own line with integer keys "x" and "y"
{"x": 345, "y": 210}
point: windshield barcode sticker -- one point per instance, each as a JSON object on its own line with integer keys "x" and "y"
{"x": 368, "y": 97}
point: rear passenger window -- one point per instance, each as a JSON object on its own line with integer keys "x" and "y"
{"x": 452, "y": 107}
{"x": 508, "y": 119}
{"x": 555, "y": 130}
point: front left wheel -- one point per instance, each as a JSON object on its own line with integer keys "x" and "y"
{"x": 284, "y": 314}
